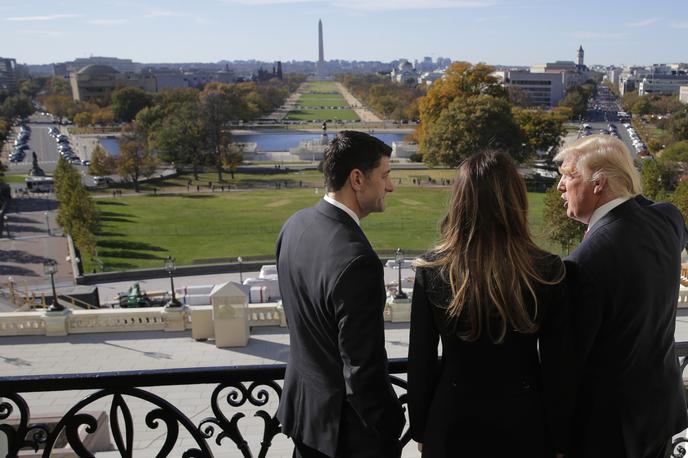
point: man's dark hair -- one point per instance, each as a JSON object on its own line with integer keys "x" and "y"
{"x": 351, "y": 150}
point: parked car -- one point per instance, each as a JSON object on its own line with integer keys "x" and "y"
{"x": 98, "y": 180}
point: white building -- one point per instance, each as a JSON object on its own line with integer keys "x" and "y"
{"x": 683, "y": 94}
{"x": 663, "y": 85}
{"x": 404, "y": 73}
{"x": 541, "y": 89}
{"x": 430, "y": 77}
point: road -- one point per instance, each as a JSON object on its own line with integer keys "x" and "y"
{"x": 42, "y": 144}
{"x": 604, "y": 111}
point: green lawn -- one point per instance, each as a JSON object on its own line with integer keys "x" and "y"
{"x": 319, "y": 94}
{"x": 310, "y": 115}
{"x": 322, "y": 100}
{"x": 141, "y": 231}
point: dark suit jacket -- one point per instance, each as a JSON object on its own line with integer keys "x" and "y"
{"x": 333, "y": 293}
{"x": 625, "y": 280}
{"x": 486, "y": 396}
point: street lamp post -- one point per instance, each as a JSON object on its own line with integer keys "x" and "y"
{"x": 169, "y": 267}
{"x": 7, "y": 226}
{"x": 241, "y": 274}
{"x": 399, "y": 258}
{"x": 47, "y": 221}
{"x": 50, "y": 268}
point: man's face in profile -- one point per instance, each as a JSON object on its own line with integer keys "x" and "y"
{"x": 376, "y": 184}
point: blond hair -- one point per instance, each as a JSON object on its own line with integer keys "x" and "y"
{"x": 486, "y": 253}
{"x": 603, "y": 156}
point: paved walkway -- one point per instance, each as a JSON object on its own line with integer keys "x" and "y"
{"x": 29, "y": 244}
{"x": 361, "y": 110}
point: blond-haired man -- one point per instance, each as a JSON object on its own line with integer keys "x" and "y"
{"x": 624, "y": 281}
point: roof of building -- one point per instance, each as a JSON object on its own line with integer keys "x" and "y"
{"x": 97, "y": 69}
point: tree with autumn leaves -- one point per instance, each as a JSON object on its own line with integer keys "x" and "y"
{"x": 469, "y": 110}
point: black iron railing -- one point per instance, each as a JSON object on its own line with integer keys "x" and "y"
{"x": 238, "y": 386}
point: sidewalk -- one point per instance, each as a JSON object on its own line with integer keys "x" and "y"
{"x": 30, "y": 245}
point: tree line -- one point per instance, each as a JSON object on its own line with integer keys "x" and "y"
{"x": 185, "y": 126}
{"x": 386, "y": 98}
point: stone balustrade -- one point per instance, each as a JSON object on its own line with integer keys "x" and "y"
{"x": 41, "y": 323}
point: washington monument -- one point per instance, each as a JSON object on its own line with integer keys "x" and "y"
{"x": 321, "y": 51}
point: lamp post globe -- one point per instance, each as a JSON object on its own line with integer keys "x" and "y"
{"x": 399, "y": 258}
{"x": 170, "y": 266}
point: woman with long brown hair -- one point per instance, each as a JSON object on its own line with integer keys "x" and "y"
{"x": 493, "y": 297}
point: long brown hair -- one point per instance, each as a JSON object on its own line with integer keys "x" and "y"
{"x": 486, "y": 252}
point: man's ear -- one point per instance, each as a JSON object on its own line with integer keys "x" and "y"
{"x": 356, "y": 179}
{"x": 600, "y": 186}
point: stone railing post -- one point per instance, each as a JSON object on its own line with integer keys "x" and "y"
{"x": 230, "y": 315}
{"x": 56, "y": 323}
{"x": 283, "y": 317}
{"x": 174, "y": 318}
{"x": 400, "y": 310}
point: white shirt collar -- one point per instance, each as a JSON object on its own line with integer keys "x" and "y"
{"x": 604, "y": 209}
{"x": 341, "y": 206}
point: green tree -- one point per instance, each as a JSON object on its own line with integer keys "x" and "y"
{"x": 469, "y": 125}
{"x": 60, "y": 105}
{"x": 559, "y": 227}
{"x": 181, "y": 136}
{"x": 577, "y": 100}
{"x": 542, "y": 130}
{"x": 232, "y": 157}
{"x": 676, "y": 152}
{"x": 680, "y": 198}
{"x": 653, "y": 185}
{"x": 83, "y": 119}
{"x": 17, "y": 106}
{"x": 642, "y": 106}
{"x": 128, "y": 101}
{"x": 466, "y": 111}
{"x": 101, "y": 162}
{"x": 77, "y": 213}
{"x": 679, "y": 124}
{"x": 218, "y": 106}
{"x": 136, "y": 158}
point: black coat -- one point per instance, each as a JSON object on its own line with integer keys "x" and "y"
{"x": 625, "y": 280}
{"x": 486, "y": 399}
{"x": 333, "y": 292}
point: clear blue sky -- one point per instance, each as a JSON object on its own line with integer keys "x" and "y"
{"x": 512, "y": 32}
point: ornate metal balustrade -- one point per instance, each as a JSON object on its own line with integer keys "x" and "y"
{"x": 237, "y": 388}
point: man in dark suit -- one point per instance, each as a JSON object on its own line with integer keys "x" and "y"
{"x": 337, "y": 399}
{"x": 625, "y": 281}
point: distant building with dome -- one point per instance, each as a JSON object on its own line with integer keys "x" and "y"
{"x": 405, "y": 73}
